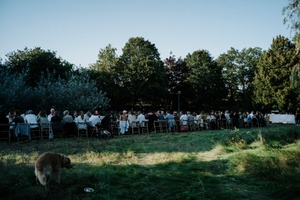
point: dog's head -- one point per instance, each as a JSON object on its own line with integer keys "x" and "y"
{"x": 66, "y": 162}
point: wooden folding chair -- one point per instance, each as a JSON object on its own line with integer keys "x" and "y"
{"x": 144, "y": 126}
{"x": 135, "y": 127}
{"x": 156, "y": 125}
{"x": 45, "y": 129}
{"x": 82, "y": 128}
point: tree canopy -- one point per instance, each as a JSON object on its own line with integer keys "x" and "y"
{"x": 35, "y": 62}
{"x": 139, "y": 73}
{"x": 273, "y": 88}
{"x": 206, "y": 85}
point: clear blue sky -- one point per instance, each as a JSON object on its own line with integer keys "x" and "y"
{"x": 77, "y": 29}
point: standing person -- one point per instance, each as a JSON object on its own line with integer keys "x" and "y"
{"x": 123, "y": 122}
{"x": 298, "y": 117}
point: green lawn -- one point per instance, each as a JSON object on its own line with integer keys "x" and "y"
{"x": 251, "y": 163}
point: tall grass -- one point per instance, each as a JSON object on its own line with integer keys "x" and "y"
{"x": 249, "y": 163}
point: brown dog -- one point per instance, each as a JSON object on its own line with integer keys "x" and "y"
{"x": 49, "y": 163}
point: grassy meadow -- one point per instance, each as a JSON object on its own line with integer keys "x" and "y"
{"x": 249, "y": 163}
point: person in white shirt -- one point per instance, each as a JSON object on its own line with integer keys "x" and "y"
{"x": 131, "y": 118}
{"x": 183, "y": 119}
{"x": 94, "y": 119}
{"x": 141, "y": 118}
{"x": 52, "y": 113}
{"x": 81, "y": 120}
{"x": 31, "y": 119}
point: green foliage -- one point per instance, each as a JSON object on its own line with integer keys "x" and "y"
{"x": 15, "y": 94}
{"x": 76, "y": 93}
{"x": 35, "y": 62}
{"x": 238, "y": 69}
{"x": 292, "y": 15}
{"x": 272, "y": 79}
{"x": 107, "y": 60}
{"x": 140, "y": 73}
{"x": 176, "y": 72}
{"x": 205, "y": 80}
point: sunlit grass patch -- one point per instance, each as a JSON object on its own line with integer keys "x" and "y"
{"x": 228, "y": 164}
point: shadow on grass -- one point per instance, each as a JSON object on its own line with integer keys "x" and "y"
{"x": 188, "y": 179}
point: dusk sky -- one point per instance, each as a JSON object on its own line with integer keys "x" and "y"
{"x": 76, "y": 30}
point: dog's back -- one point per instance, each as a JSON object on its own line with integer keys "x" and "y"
{"x": 48, "y": 163}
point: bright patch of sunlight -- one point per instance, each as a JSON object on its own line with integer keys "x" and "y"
{"x": 129, "y": 158}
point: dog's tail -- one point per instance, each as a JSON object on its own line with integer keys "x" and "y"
{"x": 42, "y": 175}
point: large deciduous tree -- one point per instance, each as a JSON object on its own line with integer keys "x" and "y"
{"x": 176, "y": 72}
{"x": 238, "y": 73}
{"x": 140, "y": 74}
{"x": 35, "y": 62}
{"x": 103, "y": 71}
{"x": 206, "y": 86}
{"x": 273, "y": 88}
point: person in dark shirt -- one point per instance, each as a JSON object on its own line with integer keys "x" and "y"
{"x": 17, "y": 117}
{"x": 56, "y": 117}
{"x": 151, "y": 117}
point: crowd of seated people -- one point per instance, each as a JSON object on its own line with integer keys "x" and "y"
{"x": 123, "y": 121}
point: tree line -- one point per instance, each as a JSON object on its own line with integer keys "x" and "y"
{"x": 247, "y": 79}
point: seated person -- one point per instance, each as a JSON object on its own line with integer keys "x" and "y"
{"x": 170, "y": 120}
{"x": 56, "y": 123}
{"x": 94, "y": 119}
{"x": 31, "y": 119}
{"x": 68, "y": 124}
{"x": 81, "y": 121}
{"x": 67, "y": 117}
{"x": 183, "y": 119}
